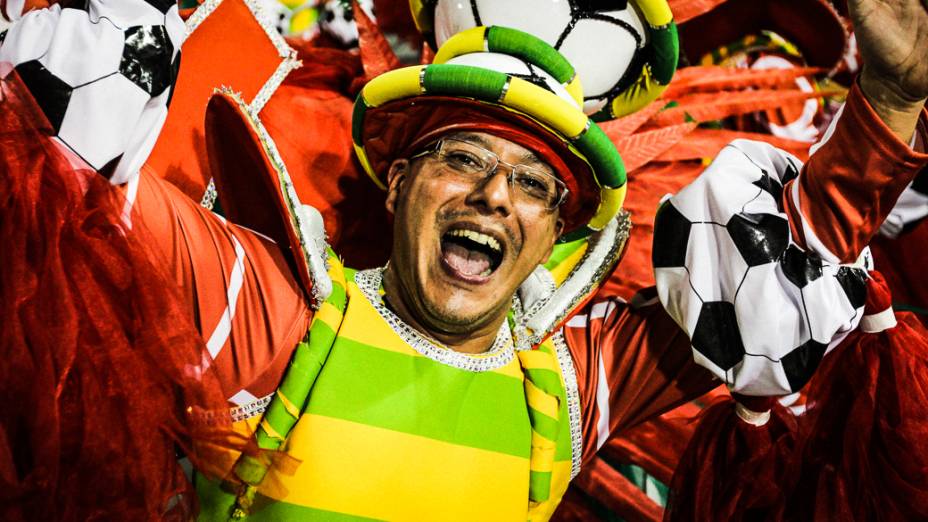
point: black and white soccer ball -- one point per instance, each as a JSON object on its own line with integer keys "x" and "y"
{"x": 760, "y": 312}
{"x": 336, "y": 19}
{"x": 103, "y": 76}
{"x": 603, "y": 39}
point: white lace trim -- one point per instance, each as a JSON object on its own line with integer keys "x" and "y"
{"x": 501, "y": 353}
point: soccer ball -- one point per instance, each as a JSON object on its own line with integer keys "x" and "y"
{"x": 582, "y": 30}
{"x": 102, "y": 75}
{"x": 336, "y": 19}
{"x": 760, "y": 312}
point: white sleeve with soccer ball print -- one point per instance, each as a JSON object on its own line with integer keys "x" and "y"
{"x": 103, "y": 76}
{"x": 760, "y": 311}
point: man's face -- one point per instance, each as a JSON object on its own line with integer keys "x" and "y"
{"x": 462, "y": 248}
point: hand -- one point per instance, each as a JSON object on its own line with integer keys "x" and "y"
{"x": 892, "y": 36}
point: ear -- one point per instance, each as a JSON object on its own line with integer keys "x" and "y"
{"x": 399, "y": 169}
{"x": 558, "y": 228}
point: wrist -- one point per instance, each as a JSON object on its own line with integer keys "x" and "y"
{"x": 898, "y": 109}
{"x": 883, "y": 92}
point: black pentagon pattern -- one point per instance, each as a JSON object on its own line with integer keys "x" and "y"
{"x": 760, "y": 238}
{"x": 146, "y": 58}
{"x": 791, "y": 172}
{"x": 800, "y": 364}
{"x": 854, "y": 283}
{"x": 799, "y": 267}
{"x": 717, "y": 336}
{"x": 162, "y": 5}
{"x": 2, "y": 36}
{"x": 771, "y": 186}
{"x": 51, "y": 93}
{"x": 671, "y": 236}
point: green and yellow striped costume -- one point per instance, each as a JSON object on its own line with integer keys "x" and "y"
{"x": 386, "y": 432}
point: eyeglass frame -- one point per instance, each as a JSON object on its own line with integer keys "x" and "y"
{"x": 436, "y": 147}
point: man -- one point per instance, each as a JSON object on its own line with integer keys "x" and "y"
{"x": 453, "y": 383}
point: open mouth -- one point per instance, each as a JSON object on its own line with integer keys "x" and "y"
{"x": 473, "y": 255}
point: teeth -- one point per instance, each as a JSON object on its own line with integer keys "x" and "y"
{"x": 477, "y": 237}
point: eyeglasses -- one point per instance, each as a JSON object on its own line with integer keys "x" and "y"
{"x": 473, "y": 164}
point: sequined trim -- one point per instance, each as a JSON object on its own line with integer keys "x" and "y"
{"x": 500, "y": 354}
{"x": 209, "y": 197}
{"x": 252, "y": 409}
{"x": 595, "y": 266}
{"x": 288, "y": 64}
{"x": 322, "y": 282}
{"x": 274, "y": 82}
{"x": 573, "y": 400}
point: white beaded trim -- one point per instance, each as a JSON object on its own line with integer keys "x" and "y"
{"x": 247, "y": 411}
{"x": 314, "y": 252}
{"x": 566, "y": 363}
{"x": 500, "y": 354}
{"x": 209, "y": 196}
{"x": 288, "y": 64}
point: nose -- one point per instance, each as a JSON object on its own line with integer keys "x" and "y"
{"x": 493, "y": 193}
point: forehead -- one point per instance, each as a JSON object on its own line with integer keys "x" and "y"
{"x": 507, "y": 150}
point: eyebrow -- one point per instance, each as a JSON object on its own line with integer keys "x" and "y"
{"x": 528, "y": 157}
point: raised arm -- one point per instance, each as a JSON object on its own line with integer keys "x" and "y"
{"x": 763, "y": 261}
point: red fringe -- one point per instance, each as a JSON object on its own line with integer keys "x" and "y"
{"x": 715, "y": 106}
{"x": 717, "y": 78}
{"x": 101, "y": 376}
{"x": 859, "y": 452}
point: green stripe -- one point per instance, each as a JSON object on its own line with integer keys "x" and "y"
{"x": 603, "y": 157}
{"x": 464, "y": 80}
{"x": 562, "y": 252}
{"x": 418, "y": 396}
{"x": 217, "y": 500}
{"x": 576, "y": 235}
{"x": 544, "y": 424}
{"x": 539, "y": 485}
{"x": 530, "y": 49}
{"x": 666, "y": 47}
{"x": 357, "y": 120}
{"x": 548, "y": 380}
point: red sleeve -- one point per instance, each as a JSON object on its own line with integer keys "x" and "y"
{"x": 236, "y": 283}
{"x": 852, "y": 181}
{"x": 632, "y": 363}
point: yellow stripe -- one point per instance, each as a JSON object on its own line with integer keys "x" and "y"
{"x": 378, "y": 473}
{"x": 542, "y": 453}
{"x": 364, "y": 325}
{"x": 575, "y": 90}
{"x": 563, "y": 269}
{"x": 538, "y": 360}
{"x": 545, "y": 106}
{"x": 289, "y": 406}
{"x": 610, "y": 201}
{"x": 270, "y": 430}
{"x": 393, "y": 85}
{"x": 656, "y": 12}
{"x": 639, "y": 94}
{"x": 465, "y": 42}
{"x": 329, "y": 315}
{"x": 366, "y": 165}
{"x": 541, "y": 401}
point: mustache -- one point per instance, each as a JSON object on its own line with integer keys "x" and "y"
{"x": 453, "y": 215}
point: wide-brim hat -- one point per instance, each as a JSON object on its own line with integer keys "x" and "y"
{"x": 507, "y": 83}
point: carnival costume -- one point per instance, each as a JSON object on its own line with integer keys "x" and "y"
{"x": 360, "y": 415}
